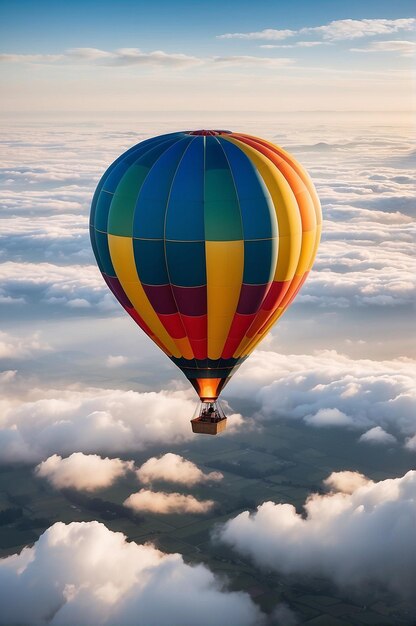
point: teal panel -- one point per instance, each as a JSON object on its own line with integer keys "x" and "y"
{"x": 222, "y": 215}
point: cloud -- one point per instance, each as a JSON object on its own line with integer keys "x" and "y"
{"x": 346, "y": 482}
{"x": 328, "y": 417}
{"x": 327, "y": 388}
{"x": 298, "y": 44}
{"x": 21, "y": 347}
{"x": 84, "y": 573}
{"x": 361, "y": 535}
{"x": 136, "y": 57}
{"x": 336, "y": 30}
{"x": 267, "y": 33}
{"x": 91, "y": 420}
{"x": 116, "y": 361}
{"x": 377, "y": 435}
{"x": 411, "y": 443}
{"x": 175, "y": 469}
{"x": 404, "y": 48}
{"x": 66, "y": 287}
{"x": 85, "y": 472}
{"x": 122, "y": 56}
{"x": 160, "y": 502}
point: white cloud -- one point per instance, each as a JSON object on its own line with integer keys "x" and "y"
{"x": 346, "y": 481}
{"x": 377, "y": 435}
{"x": 404, "y": 48}
{"x": 74, "y": 286}
{"x": 298, "y": 44}
{"x": 174, "y": 468}
{"x": 87, "y": 472}
{"x": 267, "y": 33}
{"x": 329, "y": 417}
{"x": 20, "y": 347}
{"x": 164, "y": 503}
{"x": 336, "y": 30}
{"x": 362, "y": 535}
{"x": 84, "y": 573}
{"x": 136, "y": 57}
{"x": 92, "y": 420}
{"x": 331, "y": 387}
{"x": 116, "y": 361}
{"x": 411, "y": 443}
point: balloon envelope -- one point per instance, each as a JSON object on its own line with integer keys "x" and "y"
{"x": 205, "y": 238}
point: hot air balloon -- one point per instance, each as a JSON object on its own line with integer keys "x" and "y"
{"x": 205, "y": 237}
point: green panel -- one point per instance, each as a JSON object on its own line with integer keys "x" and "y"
{"x": 120, "y": 219}
{"x": 222, "y": 213}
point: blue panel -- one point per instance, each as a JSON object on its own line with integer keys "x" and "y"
{"x": 149, "y": 256}
{"x": 256, "y": 205}
{"x": 186, "y": 263}
{"x": 103, "y": 255}
{"x": 95, "y": 249}
{"x": 120, "y": 166}
{"x": 215, "y": 158}
{"x": 150, "y": 211}
{"x": 259, "y": 261}
{"x": 102, "y": 209}
{"x": 185, "y": 213}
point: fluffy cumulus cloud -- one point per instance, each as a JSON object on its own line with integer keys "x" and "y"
{"x": 161, "y": 502}
{"x": 361, "y": 533}
{"x": 331, "y": 389}
{"x": 175, "y": 469}
{"x": 80, "y": 471}
{"x": 91, "y": 420}
{"x": 83, "y": 573}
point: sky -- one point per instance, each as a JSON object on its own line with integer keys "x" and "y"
{"x": 84, "y": 391}
{"x": 129, "y": 56}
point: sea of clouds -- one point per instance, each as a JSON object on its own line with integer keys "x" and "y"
{"x": 83, "y": 388}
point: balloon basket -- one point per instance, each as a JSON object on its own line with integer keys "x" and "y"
{"x": 210, "y": 421}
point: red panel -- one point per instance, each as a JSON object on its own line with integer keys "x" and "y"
{"x": 199, "y": 348}
{"x": 173, "y": 325}
{"x": 294, "y": 289}
{"x": 275, "y": 295}
{"x": 195, "y": 326}
{"x": 197, "y": 331}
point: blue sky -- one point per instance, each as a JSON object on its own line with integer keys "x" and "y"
{"x": 50, "y": 25}
{"x": 132, "y": 56}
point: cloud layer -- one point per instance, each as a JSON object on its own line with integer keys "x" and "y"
{"x": 331, "y": 389}
{"x": 84, "y": 573}
{"x": 361, "y": 533}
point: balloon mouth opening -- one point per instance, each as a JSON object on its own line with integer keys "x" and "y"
{"x": 206, "y": 133}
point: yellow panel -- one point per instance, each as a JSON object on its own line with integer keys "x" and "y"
{"x": 287, "y": 211}
{"x": 225, "y": 265}
{"x": 301, "y": 172}
{"x": 316, "y": 245}
{"x": 185, "y": 347}
{"x": 287, "y": 260}
{"x": 122, "y": 257}
{"x": 308, "y": 246}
